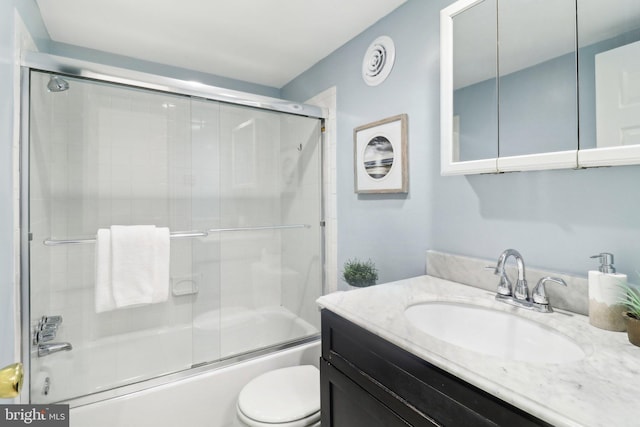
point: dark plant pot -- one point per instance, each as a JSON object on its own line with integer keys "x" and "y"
{"x": 633, "y": 328}
{"x": 362, "y": 284}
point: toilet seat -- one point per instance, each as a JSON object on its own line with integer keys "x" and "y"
{"x": 287, "y": 397}
{"x": 313, "y": 421}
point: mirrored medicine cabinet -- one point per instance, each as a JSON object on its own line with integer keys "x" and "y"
{"x": 545, "y": 84}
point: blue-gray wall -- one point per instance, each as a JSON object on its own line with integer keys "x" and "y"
{"x": 556, "y": 219}
{"x": 393, "y": 230}
{"x": 130, "y": 63}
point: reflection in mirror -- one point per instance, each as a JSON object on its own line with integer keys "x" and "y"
{"x": 538, "y": 78}
{"x": 475, "y": 98}
{"x": 609, "y": 52}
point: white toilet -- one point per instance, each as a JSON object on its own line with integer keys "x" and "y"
{"x": 287, "y": 397}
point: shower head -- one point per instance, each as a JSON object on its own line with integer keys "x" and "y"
{"x": 57, "y": 84}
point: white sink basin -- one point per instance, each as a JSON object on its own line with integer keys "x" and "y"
{"x": 494, "y": 333}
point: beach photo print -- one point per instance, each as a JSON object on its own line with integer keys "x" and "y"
{"x": 380, "y": 156}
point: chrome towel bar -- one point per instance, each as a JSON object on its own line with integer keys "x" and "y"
{"x": 258, "y": 228}
{"x": 183, "y": 234}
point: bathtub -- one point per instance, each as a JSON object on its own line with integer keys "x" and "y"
{"x": 242, "y": 330}
{"x": 123, "y": 386}
{"x": 203, "y": 400}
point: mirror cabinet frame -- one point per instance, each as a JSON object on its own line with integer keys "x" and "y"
{"x": 609, "y": 156}
{"x": 448, "y": 165}
{"x": 593, "y": 157}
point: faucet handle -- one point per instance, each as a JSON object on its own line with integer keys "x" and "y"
{"x": 492, "y": 268}
{"x": 539, "y": 294}
{"x": 504, "y": 286}
{"x": 50, "y": 322}
{"x": 45, "y": 336}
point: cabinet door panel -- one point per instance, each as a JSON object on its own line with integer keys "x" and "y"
{"x": 469, "y": 89}
{"x": 345, "y": 404}
{"x": 508, "y": 86}
{"x": 609, "y": 44}
{"x": 538, "y": 103}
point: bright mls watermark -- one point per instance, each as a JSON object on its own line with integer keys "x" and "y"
{"x": 34, "y": 415}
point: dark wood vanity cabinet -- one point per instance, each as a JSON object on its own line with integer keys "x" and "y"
{"x": 366, "y": 382}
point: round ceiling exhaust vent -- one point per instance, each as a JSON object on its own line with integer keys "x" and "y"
{"x": 378, "y": 61}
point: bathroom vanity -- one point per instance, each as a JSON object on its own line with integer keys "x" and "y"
{"x": 380, "y": 369}
{"x": 367, "y": 381}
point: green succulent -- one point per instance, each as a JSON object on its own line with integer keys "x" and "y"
{"x": 631, "y": 300}
{"x": 360, "y": 274}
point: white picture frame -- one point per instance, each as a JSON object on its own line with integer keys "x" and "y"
{"x": 380, "y": 156}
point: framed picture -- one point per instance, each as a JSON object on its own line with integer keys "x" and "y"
{"x": 380, "y": 156}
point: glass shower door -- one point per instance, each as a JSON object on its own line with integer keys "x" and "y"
{"x": 267, "y": 234}
{"x": 103, "y": 155}
{"x": 238, "y": 187}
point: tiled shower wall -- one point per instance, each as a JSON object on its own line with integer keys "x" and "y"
{"x": 102, "y": 155}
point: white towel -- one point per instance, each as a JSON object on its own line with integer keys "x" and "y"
{"x": 132, "y": 266}
{"x": 104, "y": 295}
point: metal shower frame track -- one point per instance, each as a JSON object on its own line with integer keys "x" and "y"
{"x": 33, "y": 61}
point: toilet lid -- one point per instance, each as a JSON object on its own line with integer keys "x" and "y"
{"x": 282, "y": 395}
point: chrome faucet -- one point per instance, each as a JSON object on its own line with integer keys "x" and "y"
{"x": 539, "y": 294}
{"x": 45, "y": 332}
{"x": 521, "y": 291}
{"x": 520, "y": 295}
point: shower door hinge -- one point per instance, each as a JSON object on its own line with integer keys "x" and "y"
{"x": 323, "y": 223}
{"x": 30, "y": 236}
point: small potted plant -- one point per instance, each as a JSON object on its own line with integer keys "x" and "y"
{"x": 360, "y": 274}
{"x": 631, "y": 301}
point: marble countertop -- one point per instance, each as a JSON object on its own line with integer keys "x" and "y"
{"x": 599, "y": 390}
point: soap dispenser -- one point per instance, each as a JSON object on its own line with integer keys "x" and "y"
{"x": 605, "y": 294}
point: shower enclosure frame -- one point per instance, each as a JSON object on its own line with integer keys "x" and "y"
{"x": 63, "y": 66}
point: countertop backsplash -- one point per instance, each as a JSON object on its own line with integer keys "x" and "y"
{"x": 471, "y": 271}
